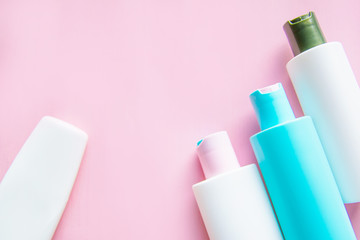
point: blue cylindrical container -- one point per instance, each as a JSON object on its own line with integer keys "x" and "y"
{"x": 296, "y": 172}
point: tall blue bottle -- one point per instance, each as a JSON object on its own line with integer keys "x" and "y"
{"x": 302, "y": 188}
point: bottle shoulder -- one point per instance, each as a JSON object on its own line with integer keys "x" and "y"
{"x": 299, "y": 122}
{"x": 222, "y": 177}
{"x": 315, "y": 50}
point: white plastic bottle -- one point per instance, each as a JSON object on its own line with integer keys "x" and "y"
{"x": 232, "y": 200}
{"x": 37, "y": 186}
{"x": 328, "y": 92}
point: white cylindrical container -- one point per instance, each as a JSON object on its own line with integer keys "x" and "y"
{"x": 328, "y": 92}
{"x": 232, "y": 200}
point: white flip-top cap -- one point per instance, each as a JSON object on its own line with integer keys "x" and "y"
{"x": 36, "y": 188}
{"x": 216, "y": 154}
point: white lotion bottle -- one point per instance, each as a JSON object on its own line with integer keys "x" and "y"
{"x": 37, "y": 186}
{"x": 328, "y": 92}
{"x": 232, "y": 200}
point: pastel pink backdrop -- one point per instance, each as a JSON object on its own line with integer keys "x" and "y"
{"x": 146, "y": 80}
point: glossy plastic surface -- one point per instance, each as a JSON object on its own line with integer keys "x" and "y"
{"x": 36, "y": 188}
{"x": 328, "y": 92}
{"x": 300, "y": 183}
{"x": 234, "y": 206}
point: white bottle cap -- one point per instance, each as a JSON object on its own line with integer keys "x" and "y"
{"x": 216, "y": 154}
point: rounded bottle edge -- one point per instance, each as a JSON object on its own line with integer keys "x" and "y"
{"x": 224, "y": 175}
{"x": 312, "y": 50}
{"x": 294, "y": 121}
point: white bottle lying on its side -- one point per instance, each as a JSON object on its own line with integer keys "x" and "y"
{"x": 37, "y": 186}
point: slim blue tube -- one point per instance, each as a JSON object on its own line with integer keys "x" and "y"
{"x": 296, "y": 172}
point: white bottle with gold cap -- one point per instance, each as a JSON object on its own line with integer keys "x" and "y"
{"x": 232, "y": 200}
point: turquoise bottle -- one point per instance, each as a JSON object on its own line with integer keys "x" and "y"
{"x": 298, "y": 177}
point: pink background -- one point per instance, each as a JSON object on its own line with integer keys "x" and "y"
{"x": 146, "y": 80}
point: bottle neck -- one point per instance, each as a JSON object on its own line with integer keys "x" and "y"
{"x": 216, "y": 154}
{"x": 271, "y": 106}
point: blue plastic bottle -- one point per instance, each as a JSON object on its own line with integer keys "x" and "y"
{"x": 296, "y": 172}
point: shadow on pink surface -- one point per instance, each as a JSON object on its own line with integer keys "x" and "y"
{"x": 354, "y": 214}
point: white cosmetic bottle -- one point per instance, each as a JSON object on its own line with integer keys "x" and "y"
{"x": 37, "y": 186}
{"x": 232, "y": 200}
{"x": 328, "y": 92}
